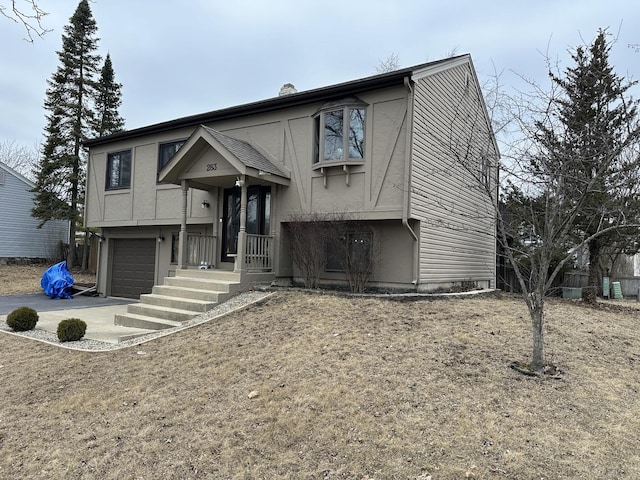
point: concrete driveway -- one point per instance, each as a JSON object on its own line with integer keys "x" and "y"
{"x": 97, "y": 312}
{"x": 41, "y": 303}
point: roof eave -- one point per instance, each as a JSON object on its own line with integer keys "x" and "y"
{"x": 263, "y": 106}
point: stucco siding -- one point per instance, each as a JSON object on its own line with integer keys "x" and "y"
{"x": 20, "y": 236}
{"x": 143, "y": 196}
{"x": 393, "y": 254}
{"x": 370, "y": 190}
{"x": 388, "y": 140}
{"x": 450, "y": 138}
{"x": 145, "y": 202}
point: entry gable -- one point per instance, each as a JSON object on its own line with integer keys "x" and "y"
{"x": 210, "y": 157}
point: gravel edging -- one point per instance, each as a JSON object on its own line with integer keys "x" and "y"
{"x": 239, "y": 302}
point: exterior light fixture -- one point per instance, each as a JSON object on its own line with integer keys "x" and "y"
{"x": 239, "y": 182}
{"x": 204, "y": 204}
{"x": 161, "y": 239}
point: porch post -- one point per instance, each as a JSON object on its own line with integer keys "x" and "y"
{"x": 182, "y": 239}
{"x": 242, "y": 234}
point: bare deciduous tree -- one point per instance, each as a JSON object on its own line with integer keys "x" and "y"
{"x": 390, "y": 64}
{"x": 19, "y": 158}
{"x": 542, "y": 185}
{"x": 30, "y": 16}
{"x": 567, "y": 178}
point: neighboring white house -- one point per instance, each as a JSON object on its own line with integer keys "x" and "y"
{"x": 20, "y": 237}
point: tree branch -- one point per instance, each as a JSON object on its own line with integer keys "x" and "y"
{"x": 30, "y": 17}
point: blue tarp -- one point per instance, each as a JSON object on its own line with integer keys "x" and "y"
{"x": 57, "y": 281}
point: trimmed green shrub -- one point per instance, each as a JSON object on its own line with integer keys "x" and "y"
{"x": 22, "y": 319}
{"x": 71, "y": 330}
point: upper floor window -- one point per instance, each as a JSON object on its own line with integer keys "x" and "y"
{"x": 119, "y": 169}
{"x": 339, "y": 130}
{"x": 166, "y": 152}
{"x": 485, "y": 170}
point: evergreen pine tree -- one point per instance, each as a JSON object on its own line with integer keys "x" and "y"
{"x": 108, "y": 100}
{"x": 70, "y": 102}
{"x": 597, "y": 125}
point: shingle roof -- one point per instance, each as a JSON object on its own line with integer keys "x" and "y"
{"x": 244, "y": 152}
{"x": 321, "y": 94}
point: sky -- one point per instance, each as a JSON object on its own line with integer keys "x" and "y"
{"x": 176, "y": 59}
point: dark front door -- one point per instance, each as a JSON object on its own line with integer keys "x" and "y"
{"x": 258, "y": 217}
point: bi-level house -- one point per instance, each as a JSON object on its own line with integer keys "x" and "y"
{"x": 410, "y": 154}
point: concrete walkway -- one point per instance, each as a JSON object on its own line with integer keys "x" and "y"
{"x": 97, "y": 312}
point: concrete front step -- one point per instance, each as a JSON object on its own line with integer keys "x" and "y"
{"x": 215, "y": 286}
{"x": 190, "y": 293}
{"x": 224, "y": 275}
{"x": 163, "y": 313}
{"x": 143, "y": 321}
{"x": 181, "y": 298}
{"x": 193, "y": 305}
{"x": 197, "y": 283}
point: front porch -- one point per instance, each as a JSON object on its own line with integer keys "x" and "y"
{"x": 240, "y": 248}
{"x": 202, "y": 253}
{"x": 244, "y": 179}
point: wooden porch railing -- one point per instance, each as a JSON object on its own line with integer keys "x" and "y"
{"x": 201, "y": 249}
{"x": 259, "y": 252}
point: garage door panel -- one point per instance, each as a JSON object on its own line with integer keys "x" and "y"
{"x": 133, "y": 267}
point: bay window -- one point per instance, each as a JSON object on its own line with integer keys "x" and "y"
{"x": 339, "y": 131}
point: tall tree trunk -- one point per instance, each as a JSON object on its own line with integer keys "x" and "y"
{"x": 71, "y": 256}
{"x": 536, "y": 311}
{"x": 590, "y": 292}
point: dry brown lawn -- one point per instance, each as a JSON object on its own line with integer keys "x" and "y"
{"x": 18, "y": 279}
{"x": 353, "y": 388}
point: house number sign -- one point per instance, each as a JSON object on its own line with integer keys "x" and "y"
{"x": 211, "y": 167}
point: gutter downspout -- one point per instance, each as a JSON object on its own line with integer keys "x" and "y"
{"x": 406, "y": 184}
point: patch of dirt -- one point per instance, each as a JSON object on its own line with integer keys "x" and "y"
{"x": 547, "y": 371}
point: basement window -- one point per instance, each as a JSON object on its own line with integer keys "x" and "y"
{"x": 351, "y": 251}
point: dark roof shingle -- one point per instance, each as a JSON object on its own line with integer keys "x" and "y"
{"x": 246, "y": 153}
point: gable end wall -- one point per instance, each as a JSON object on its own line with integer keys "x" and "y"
{"x": 457, "y": 227}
